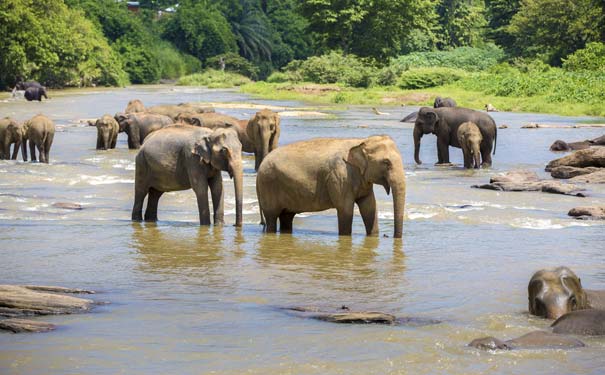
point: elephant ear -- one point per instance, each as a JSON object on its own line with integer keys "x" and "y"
{"x": 432, "y": 116}
{"x": 202, "y": 149}
{"x": 358, "y": 157}
{"x": 196, "y": 121}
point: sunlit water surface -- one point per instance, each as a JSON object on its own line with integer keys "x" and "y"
{"x": 194, "y": 300}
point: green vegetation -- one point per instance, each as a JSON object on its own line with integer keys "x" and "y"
{"x": 214, "y": 79}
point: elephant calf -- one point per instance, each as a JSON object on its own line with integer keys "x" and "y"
{"x": 443, "y": 102}
{"x": 107, "y": 132}
{"x": 470, "y": 138}
{"x": 35, "y": 93}
{"x": 324, "y": 173}
{"x": 12, "y": 132}
{"x": 139, "y": 125}
{"x": 182, "y": 157}
{"x": 40, "y": 133}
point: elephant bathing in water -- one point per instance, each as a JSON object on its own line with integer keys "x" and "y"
{"x": 182, "y": 157}
{"x": 324, "y": 173}
{"x": 40, "y": 133}
{"x": 444, "y": 102}
{"x": 12, "y": 132}
{"x": 469, "y": 137}
{"x": 138, "y": 126}
{"x": 107, "y": 132}
{"x": 444, "y": 123}
{"x": 35, "y": 93}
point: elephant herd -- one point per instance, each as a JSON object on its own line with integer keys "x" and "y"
{"x": 39, "y": 131}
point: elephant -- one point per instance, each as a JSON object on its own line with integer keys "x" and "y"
{"x": 444, "y": 123}
{"x": 323, "y": 173}
{"x": 35, "y": 93}
{"x": 444, "y": 102}
{"x": 182, "y": 157}
{"x": 469, "y": 138}
{"x": 263, "y": 131}
{"x": 139, "y": 125}
{"x": 12, "y": 132}
{"x": 25, "y": 85}
{"x": 173, "y": 111}
{"x": 134, "y": 106}
{"x": 40, "y": 133}
{"x": 107, "y": 132}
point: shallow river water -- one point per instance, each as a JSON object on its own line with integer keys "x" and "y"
{"x": 186, "y": 299}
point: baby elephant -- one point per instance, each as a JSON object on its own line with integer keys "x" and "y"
{"x": 40, "y": 132}
{"x": 107, "y": 132}
{"x": 470, "y": 138}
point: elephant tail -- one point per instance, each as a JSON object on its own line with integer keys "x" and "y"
{"x": 495, "y": 140}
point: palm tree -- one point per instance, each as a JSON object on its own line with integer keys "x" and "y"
{"x": 252, "y": 33}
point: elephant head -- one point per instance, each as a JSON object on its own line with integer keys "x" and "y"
{"x": 263, "y": 131}
{"x": 189, "y": 118}
{"x": 121, "y": 118}
{"x": 223, "y": 151}
{"x": 554, "y": 292}
{"x": 379, "y": 162}
{"x": 438, "y": 102}
{"x": 106, "y": 125}
{"x": 134, "y": 106}
{"x": 426, "y": 123}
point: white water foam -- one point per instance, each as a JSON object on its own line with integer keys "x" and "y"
{"x": 100, "y": 180}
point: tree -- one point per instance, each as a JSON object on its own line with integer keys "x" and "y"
{"x": 552, "y": 29}
{"x": 462, "y": 23}
{"x": 499, "y": 15}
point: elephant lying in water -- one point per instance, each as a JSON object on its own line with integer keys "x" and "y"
{"x": 557, "y": 294}
{"x": 324, "y": 173}
{"x": 182, "y": 157}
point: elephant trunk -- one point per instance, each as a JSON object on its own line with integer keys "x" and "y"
{"x": 264, "y": 150}
{"x": 238, "y": 183}
{"x": 397, "y": 183}
{"x": 106, "y": 140}
{"x": 477, "y": 155}
{"x": 417, "y": 137}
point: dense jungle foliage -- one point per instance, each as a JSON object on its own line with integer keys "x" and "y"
{"x": 505, "y": 47}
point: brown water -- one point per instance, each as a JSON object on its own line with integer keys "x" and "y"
{"x": 196, "y": 300}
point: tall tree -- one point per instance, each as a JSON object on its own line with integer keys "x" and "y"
{"x": 499, "y": 15}
{"x": 462, "y": 22}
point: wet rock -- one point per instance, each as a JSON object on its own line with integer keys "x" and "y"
{"x": 588, "y": 212}
{"x": 503, "y": 126}
{"x": 597, "y": 177}
{"x": 343, "y": 315}
{"x": 532, "y": 340}
{"x": 490, "y": 108}
{"x": 582, "y": 322}
{"x": 533, "y": 125}
{"x": 523, "y": 180}
{"x": 377, "y": 112}
{"x": 67, "y": 206}
{"x": 566, "y": 172}
{"x": 24, "y": 325}
{"x": 590, "y": 157}
{"x": 489, "y": 343}
{"x": 22, "y": 300}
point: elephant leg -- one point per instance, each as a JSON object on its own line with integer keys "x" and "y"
{"x": 16, "y": 150}
{"x": 114, "y": 140}
{"x": 200, "y": 187}
{"x": 99, "y": 142}
{"x": 467, "y": 158}
{"x": 24, "y": 149}
{"x": 47, "y": 143}
{"x": 270, "y": 222}
{"x": 345, "y": 220}
{"x": 486, "y": 154}
{"x": 256, "y": 160}
{"x": 151, "y": 213}
{"x": 443, "y": 151}
{"x": 367, "y": 209}
{"x": 42, "y": 153}
{"x": 32, "y": 150}
{"x": 5, "y": 150}
{"x": 218, "y": 202}
{"x": 285, "y": 222}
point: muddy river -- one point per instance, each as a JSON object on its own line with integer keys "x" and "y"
{"x": 199, "y": 300}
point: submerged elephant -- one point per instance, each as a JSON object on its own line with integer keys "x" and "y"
{"x": 134, "y": 106}
{"x": 469, "y": 137}
{"x": 182, "y": 157}
{"x": 40, "y": 133}
{"x": 12, "y": 132}
{"x": 324, "y": 173}
{"x": 35, "y": 93}
{"x": 444, "y": 123}
{"x": 138, "y": 126}
{"x": 444, "y": 102}
{"x": 107, "y": 132}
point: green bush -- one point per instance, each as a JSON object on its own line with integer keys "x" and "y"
{"x": 429, "y": 77}
{"x": 590, "y": 58}
{"x": 465, "y": 58}
{"x": 234, "y": 63}
{"x": 214, "y": 79}
{"x": 174, "y": 64}
{"x": 348, "y": 70}
{"x": 279, "y": 77}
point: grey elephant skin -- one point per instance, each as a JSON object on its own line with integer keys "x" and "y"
{"x": 40, "y": 133}
{"x": 107, "y": 132}
{"x": 469, "y": 137}
{"x": 35, "y": 93}
{"x": 444, "y": 123}
{"x": 443, "y": 102}
{"x": 173, "y": 111}
{"x": 138, "y": 126}
{"x": 324, "y": 173}
{"x": 12, "y": 132}
{"x": 134, "y": 106}
{"x": 25, "y": 85}
{"x": 182, "y": 157}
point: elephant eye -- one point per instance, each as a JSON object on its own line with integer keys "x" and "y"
{"x": 387, "y": 163}
{"x": 573, "y": 302}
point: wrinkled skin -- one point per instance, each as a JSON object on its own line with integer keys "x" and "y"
{"x": 40, "y": 133}
{"x": 324, "y": 173}
{"x": 590, "y": 157}
{"x": 107, "y": 132}
{"x": 12, "y": 132}
{"x": 25, "y": 85}
{"x": 134, "y": 106}
{"x": 182, "y": 157}
{"x": 444, "y": 123}
{"x": 444, "y": 102}
{"x": 583, "y": 322}
{"x": 263, "y": 132}
{"x": 532, "y": 340}
{"x": 139, "y": 125}
{"x": 35, "y": 93}
{"x": 469, "y": 137}
{"x": 173, "y": 111}
{"x": 213, "y": 120}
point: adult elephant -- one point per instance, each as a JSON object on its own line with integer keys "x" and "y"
{"x": 107, "y": 132}
{"x": 444, "y": 123}
{"x": 443, "y": 102}
{"x": 40, "y": 133}
{"x": 25, "y": 85}
{"x": 324, "y": 173}
{"x": 139, "y": 125}
{"x": 12, "y": 132}
{"x": 134, "y": 106}
{"x": 173, "y": 111}
{"x": 35, "y": 93}
{"x": 182, "y": 157}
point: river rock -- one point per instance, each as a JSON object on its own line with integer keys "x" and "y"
{"x": 532, "y": 340}
{"x": 67, "y": 206}
{"x": 344, "y": 316}
{"x": 588, "y": 212}
{"x": 590, "y": 157}
{"x": 24, "y": 325}
{"x": 503, "y": 126}
{"x": 597, "y": 177}
{"x": 523, "y": 180}
{"x": 566, "y": 172}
